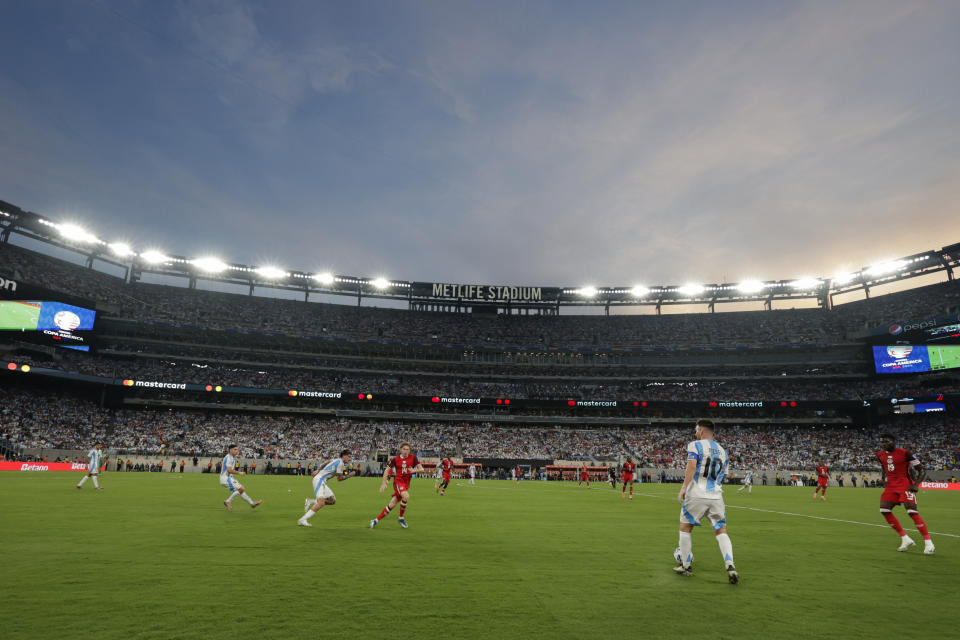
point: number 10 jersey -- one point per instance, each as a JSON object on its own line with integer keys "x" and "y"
{"x": 712, "y": 464}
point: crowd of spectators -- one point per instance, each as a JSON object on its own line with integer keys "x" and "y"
{"x": 224, "y": 311}
{"x": 59, "y": 421}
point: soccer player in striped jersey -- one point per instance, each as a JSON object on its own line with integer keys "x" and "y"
{"x": 702, "y": 496}
{"x": 95, "y": 460}
{"x": 227, "y": 471}
{"x": 321, "y": 492}
{"x": 747, "y": 483}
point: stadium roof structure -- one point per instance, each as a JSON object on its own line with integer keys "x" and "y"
{"x": 459, "y": 296}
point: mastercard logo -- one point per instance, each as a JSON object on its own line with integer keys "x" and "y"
{"x": 128, "y": 383}
{"x": 572, "y": 403}
{"x": 292, "y": 393}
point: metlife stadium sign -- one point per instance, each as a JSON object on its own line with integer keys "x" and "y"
{"x": 489, "y": 293}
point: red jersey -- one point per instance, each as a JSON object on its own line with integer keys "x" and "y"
{"x": 628, "y": 467}
{"x": 447, "y": 466}
{"x": 896, "y": 465}
{"x": 403, "y": 468}
{"x": 822, "y": 473}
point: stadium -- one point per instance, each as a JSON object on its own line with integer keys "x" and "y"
{"x": 214, "y": 444}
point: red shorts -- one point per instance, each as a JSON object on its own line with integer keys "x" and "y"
{"x": 583, "y": 477}
{"x": 628, "y": 477}
{"x": 446, "y": 477}
{"x": 398, "y": 488}
{"x": 898, "y": 496}
{"x": 822, "y": 482}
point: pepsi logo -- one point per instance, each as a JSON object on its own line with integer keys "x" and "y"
{"x": 895, "y": 330}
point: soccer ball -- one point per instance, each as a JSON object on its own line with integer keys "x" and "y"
{"x": 679, "y": 558}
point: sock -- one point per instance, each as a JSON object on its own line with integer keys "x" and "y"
{"x": 96, "y": 481}
{"x": 631, "y": 490}
{"x": 82, "y": 480}
{"x": 232, "y": 496}
{"x": 309, "y": 514}
{"x": 247, "y": 498}
{"x": 892, "y": 519}
{"x": 383, "y": 514}
{"x": 921, "y": 525}
{"x": 310, "y": 504}
{"x": 750, "y": 490}
{"x": 726, "y": 548}
{"x": 686, "y": 547}
{"x": 403, "y": 508}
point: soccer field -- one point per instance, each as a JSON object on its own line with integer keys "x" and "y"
{"x": 158, "y": 556}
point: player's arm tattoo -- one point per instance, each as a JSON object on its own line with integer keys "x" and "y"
{"x": 917, "y": 473}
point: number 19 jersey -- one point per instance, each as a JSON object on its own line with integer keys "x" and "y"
{"x": 712, "y": 464}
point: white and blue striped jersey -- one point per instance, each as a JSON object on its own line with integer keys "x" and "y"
{"x": 228, "y": 464}
{"x": 748, "y": 478}
{"x": 94, "y": 460}
{"x": 329, "y": 470}
{"x": 712, "y": 463}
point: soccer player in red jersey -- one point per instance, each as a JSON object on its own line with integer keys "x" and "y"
{"x": 903, "y": 474}
{"x": 628, "y": 468}
{"x": 404, "y": 466}
{"x": 584, "y": 477}
{"x": 446, "y": 466}
{"x": 822, "y": 480}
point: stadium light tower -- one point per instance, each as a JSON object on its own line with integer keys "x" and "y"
{"x": 154, "y": 257}
{"x": 639, "y": 291}
{"x": 751, "y": 286}
{"x": 844, "y": 278}
{"x": 883, "y": 268}
{"x": 271, "y": 273}
{"x": 75, "y": 233}
{"x": 692, "y": 289}
{"x": 324, "y": 278}
{"x": 121, "y": 249}
{"x": 380, "y": 283}
{"x": 210, "y": 265}
{"x": 588, "y": 291}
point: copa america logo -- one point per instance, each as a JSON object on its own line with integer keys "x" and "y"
{"x": 895, "y": 329}
{"x": 66, "y": 320}
{"x": 899, "y": 352}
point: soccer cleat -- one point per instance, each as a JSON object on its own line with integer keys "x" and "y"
{"x": 303, "y": 523}
{"x": 228, "y": 505}
{"x": 681, "y": 570}
{"x": 929, "y": 549}
{"x": 732, "y": 574}
{"x": 99, "y": 488}
{"x": 256, "y": 504}
{"x": 631, "y": 496}
{"x": 814, "y": 495}
{"x": 823, "y": 497}
{"x": 79, "y": 487}
{"x": 402, "y": 523}
{"x": 905, "y": 543}
{"x": 373, "y": 523}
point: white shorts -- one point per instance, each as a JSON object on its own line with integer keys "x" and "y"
{"x": 230, "y": 483}
{"x": 693, "y": 510}
{"x": 320, "y": 489}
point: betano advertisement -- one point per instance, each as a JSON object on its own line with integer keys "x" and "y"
{"x": 915, "y": 358}
{"x": 44, "y": 466}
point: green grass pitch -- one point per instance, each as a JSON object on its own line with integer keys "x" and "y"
{"x": 19, "y": 315}
{"x": 157, "y": 556}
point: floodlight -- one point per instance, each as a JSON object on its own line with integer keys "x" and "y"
{"x": 271, "y": 273}
{"x": 154, "y": 257}
{"x": 587, "y": 292}
{"x": 751, "y": 286}
{"x": 882, "y": 268}
{"x": 324, "y": 278}
{"x": 639, "y": 291}
{"x": 843, "y": 278}
{"x": 76, "y": 234}
{"x": 210, "y": 265}
{"x": 121, "y": 249}
{"x": 806, "y": 283}
{"x": 380, "y": 283}
{"x": 691, "y": 289}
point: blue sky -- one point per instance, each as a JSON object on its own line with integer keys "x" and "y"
{"x": 514, "y": 142}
